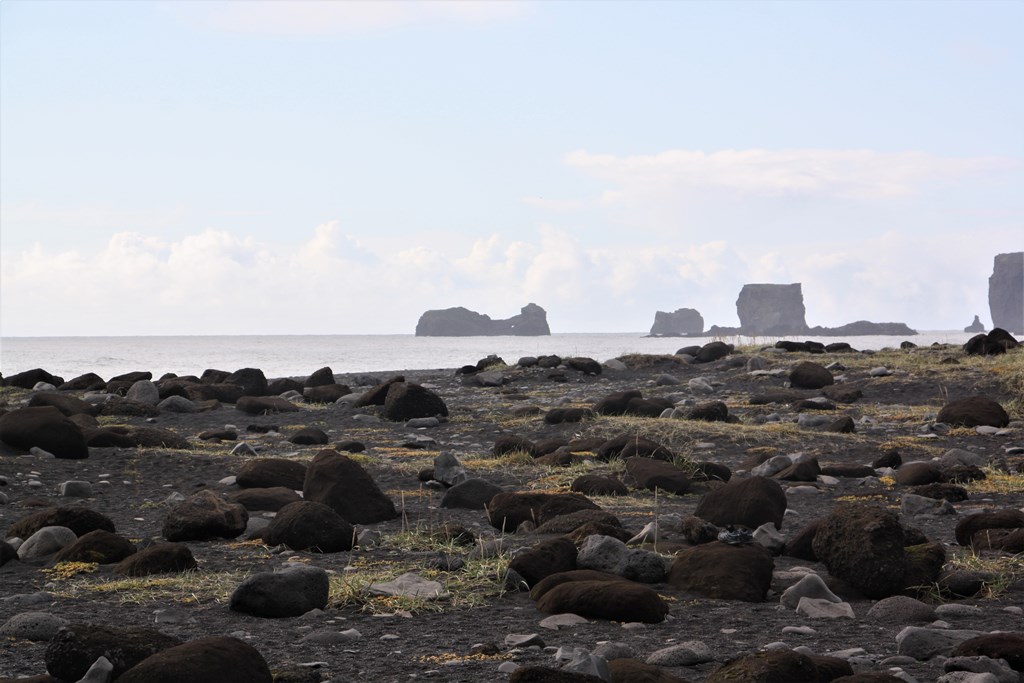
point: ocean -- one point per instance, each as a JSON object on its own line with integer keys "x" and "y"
{"x": 300, "y": 355}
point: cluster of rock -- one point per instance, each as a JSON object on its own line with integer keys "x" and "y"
{"x": 577, "y": 560}
{"x": 461, "y": 322}
{"x": 768, "y": 310}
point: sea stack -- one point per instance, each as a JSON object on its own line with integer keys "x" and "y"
{"x": 1006, "y": 292}
{"x": 680, "y": 323}
{"x": 775, "y": 310}
{"x": 532, "y": 321}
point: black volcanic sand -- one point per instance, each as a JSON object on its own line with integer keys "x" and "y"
{"x": 402, "y": 639}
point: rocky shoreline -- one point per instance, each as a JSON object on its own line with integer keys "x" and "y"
{"x": 723, "y": 514}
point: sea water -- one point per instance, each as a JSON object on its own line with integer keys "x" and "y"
{"x": 300, "y": 355}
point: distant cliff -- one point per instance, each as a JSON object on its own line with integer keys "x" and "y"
{"x": 1006, "y": 292}
{"x": 532, "y": 321}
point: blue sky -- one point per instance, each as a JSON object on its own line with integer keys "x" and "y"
{"x": 261, "y": 167}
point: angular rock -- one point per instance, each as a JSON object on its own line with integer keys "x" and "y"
{"x": 265, "y": 473}
{"x": 343, "y": 485}
{"x": 204, "y": 516}
{"x": 724, "y": 572}
{"x": 749, "y": 502}
{"x": 970, "y": 412}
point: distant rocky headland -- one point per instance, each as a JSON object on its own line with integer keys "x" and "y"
{"x": 532, "y": 321}
{"x": 768, "y": 310}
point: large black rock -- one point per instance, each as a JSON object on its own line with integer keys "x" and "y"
{"x": 461, "y": 322}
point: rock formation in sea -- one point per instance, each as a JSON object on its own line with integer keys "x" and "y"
{"x": 680, "y": 323}
{"x": 776, "y": 310}
{"x": 975, "y": 326}
{"x": 1006, "y": 292}
{"x": 532, "y": 321}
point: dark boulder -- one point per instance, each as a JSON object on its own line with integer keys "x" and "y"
{"x": 616, "y": 403}
{"x": 612, "y": 600}
{"x": 972, "y": 411}
{"x": 264, "y": 473}
{"x": 808, "y": 375}
{"x": 30, "y": 378}
{"x": 90, "y": 381}
{"x": 471, "y": 494}
{"x": 265, "y": 405}
{"x": 214, "y": 658}
{"x": 74, "y": 649}
{"x": 268, "y": 499}
{"x": 713, "y": 351}
{"x": 628, "y": 445}
{"x": 864, "y": 545}
{"x": 748, "y": 502}
{"x": 163, "y": 558}
{"x": 325, "y": 393}
{"x": 406, "y": 401}
{"x": 252, "y": 381}
{"x": 544, "y": 559}
{"x": 204, "y": 516}
{"x": 343, "y": 485}
{"x": 67, "y": 405}
{"x": 309, "y": 436}
{"x": 724, "y": 572}
{"x": 79, "y": 519}
{"x": 102, "y": 547}
{"x": 657, "y": 474}
{"x": 46, "y": 428}
{"x": 305, "y": 525}
{"x": 322, "y": 377}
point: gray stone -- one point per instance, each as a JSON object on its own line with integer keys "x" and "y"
{"x": 177, "y": 404}
{"x": 995, "y": 667}
{"x": 666, "y": 380}
{"x": 810, "y": 586}
{"x": 924, "y": 643}
{"x": 490, "y": 378}
{"x": 46, "y": 541}
{"x": 966, "y": 677}
{"x": 699, "y": 385}
{"x": 410, "y": 585}
{"x": 815, "y": 608}
{"x": 614, "y": 650}
{"x": 770, "y": 537}
{"x": 101, "y": 671}
{"x": 1006, "y": 292}
{"x": 38, "y": 626}
{"x": 912, "y": 505}
{"x": 956, "y": 610}
{"x": 901, "y": 609}
{"x": 685, "y": 654}
{"x": 959, "y": 456}
{"x": 448, "y": 470}
{"x": 590, "y": 665}
{"x": 557, "y": 621}
{"x": 812, "y": 421}
{"x": 75, "y": 489}
{"x": 772, "y": 466}
{"x": 243, "y": 448}
{"x": 880, "y": 372}
{"x": 523, "y": 640}
{"x": 144, "y": 391}
{"x": 755, "y": 363}
{"x": 611, "y": 555}
{"x": 330, "y": 637}
{"x": 422, "y": 423}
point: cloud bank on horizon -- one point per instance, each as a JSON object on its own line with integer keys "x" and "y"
{"x": 341, "y": 167}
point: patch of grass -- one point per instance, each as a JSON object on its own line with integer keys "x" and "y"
{"x": 191, "y": 587}
{"x": 996, "y": 481}
{"x": 455, "y": 658}
{"x": 645, "y": 361}
{"x": 66, "y": 570}
{"x": 1005, "y": 569}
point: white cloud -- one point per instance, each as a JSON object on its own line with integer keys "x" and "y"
{"x": 319, "y": 17}
{"x": 847, "y": 174}
{"x": 214, "y": 282}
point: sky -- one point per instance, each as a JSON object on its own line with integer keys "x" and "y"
{"x": 341, "y": 167}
